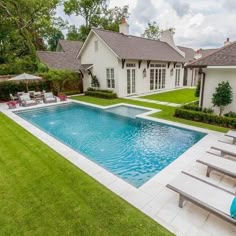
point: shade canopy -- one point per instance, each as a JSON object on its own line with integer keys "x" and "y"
{"x": 25, "y": 76}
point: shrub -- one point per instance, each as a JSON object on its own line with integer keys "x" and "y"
{"x": 100, "y": 90}
{"x": 8, "y": 87}
{"x": 208, "y": 118}
{"x": 73, "y": 92}
{"x": 197, "y": 108}
{"x": 100, "y": 94}
{"x": 230, "y": 114}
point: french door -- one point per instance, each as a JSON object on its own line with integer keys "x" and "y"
{"x": 131, "y": 81}
{"x": 157, "y": 79}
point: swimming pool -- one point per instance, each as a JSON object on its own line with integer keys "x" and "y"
{"x": 133, "y": 149}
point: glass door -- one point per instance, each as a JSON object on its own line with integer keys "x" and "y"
{"x": 131, "y": 83}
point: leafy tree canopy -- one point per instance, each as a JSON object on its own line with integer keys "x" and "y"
{"x": 95, "y": 14}
{"x": 153, "y": 31}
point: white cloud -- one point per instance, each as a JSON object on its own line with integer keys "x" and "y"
{"x": 198, "y": 24}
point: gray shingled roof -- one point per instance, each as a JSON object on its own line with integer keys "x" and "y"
{"x": 71, "y": 47}
{"x": 225, "y": 56}
{"x": 65, "y": 59}
{"x": 58, "y": 60}
{"x": 131, "y": 47}
{"x": 189, "y": 53}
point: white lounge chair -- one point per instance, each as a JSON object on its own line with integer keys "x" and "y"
{"x": 25, "y": 101}
{"x": 204, "y": 195}
{"x": 231, "y": 134}
{"x": 49, "y": 98}
{"x": 219, "y": 164}
{"x": 225, "y": 149}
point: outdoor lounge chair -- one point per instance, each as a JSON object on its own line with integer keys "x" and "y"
{"x": 205, "y": 195}
{"x": 219, "y": 164}
{"x": 231, "y": 134}
{"x": 25, "y": 101}
{"x": 225, "y": 149}
{"x": 49, "y": 98}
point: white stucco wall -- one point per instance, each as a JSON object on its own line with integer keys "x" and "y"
{"x": 213, "y": 78}
{"x": 101, "y": 59}
{"x": 104, "y": 58}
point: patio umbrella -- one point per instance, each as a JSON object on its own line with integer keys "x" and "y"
{"x": 26, "y": 78}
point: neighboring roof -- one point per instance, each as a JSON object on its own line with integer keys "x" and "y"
{"x": 189, "y": 53}
{"x": 225, "y": 56}
{"x": 132, "y": 47}
{"x": 207, "y": 52}
{"x": 71, "y": 47}
{"x": 62, "y": 59}
{"x": 58, "y": 60}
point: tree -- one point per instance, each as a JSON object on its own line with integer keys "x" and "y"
{"x": 73, "y": 33}
{"x": 96, "y": 14}
{"x": 223, "y": 96}
{"x": 153, "y": 31}
{"x": 53, "y": 39}
{"x": 198, "y": 88}
{"x": 31, "y": 19}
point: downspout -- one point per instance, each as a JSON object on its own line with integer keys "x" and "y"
{"x": 202, "y": 86}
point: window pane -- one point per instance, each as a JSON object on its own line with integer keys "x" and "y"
{"x": 151, "y": 79}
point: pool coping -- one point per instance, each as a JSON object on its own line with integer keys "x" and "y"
{"x": 138, "y": 197}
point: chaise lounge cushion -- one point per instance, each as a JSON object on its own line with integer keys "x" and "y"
{"x": 233, "y": 209}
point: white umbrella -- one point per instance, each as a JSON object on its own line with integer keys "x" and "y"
{"x": 25, "y": 77}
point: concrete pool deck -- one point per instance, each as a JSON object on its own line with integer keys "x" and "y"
{"x": 152, "y": 198}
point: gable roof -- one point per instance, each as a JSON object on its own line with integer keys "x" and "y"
{"x": 225, "y": 56}
{"x": 59, "y": 60}
{"x": 189, "y": 53}
{"x": 62, "y": 59}
{"x": 137, "y": 48}
{"x": 71, "y": 47}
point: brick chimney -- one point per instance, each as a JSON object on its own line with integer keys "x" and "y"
{"x": 124, "y": 27}
{"x": 227, "y": 42}
{"x": 197, "y": 55}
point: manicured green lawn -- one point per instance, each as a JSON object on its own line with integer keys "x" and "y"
{"x": 43, "y": 194}
{"x": 179, "y": 96}
{"x": 166, "y": 113}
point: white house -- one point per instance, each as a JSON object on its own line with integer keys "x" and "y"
{"x": 215, "y": 68}
{"x": 132, "y": 65}
{"x": 127, "y": 64}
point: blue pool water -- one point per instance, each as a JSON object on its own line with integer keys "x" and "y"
{"x": 133, "y": 149}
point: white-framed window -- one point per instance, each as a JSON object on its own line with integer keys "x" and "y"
{"x": 130, "y": 65}
{"x": 96, "y": 45}
{"x": 157, "y": 65}
{"x": 110, "y": 77}
{"x": 157, "y": 78}
{"x": 177, "y": 77}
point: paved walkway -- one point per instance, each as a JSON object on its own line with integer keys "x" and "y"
{"x": 155, "y": 102}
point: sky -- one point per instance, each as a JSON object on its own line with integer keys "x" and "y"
{"x": 197, "y": 23}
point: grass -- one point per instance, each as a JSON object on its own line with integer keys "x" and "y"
{"x": 180, "y": 96}
{"x": 166, "y": 113}
{"x": 43, "y": 194}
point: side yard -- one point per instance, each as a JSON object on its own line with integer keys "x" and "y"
{"x": 180, "y": 96}
{"x": 166, "y": 113}
{"x": 43, "y": 194}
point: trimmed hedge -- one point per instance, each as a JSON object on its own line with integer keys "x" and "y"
{"x": 230, "y": 114}
{"x": 12, "y": 87}
{"x": 69, "y": 93}
{"x": 100, "y": 90}
{"x": 100, "y": 94}
{"x": 205, "y": 118}
{"x": 197, "y": 108}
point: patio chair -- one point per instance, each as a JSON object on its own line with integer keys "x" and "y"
{"x": 219, "y": 164}
{"x": 13, "y": 98}
{"x": 25, "y": 101}
{"x": 225, "y": 149}
{"x": 231, "y": 134}
{"x": 205, "y": 195}
{"x": 49, "y": 98}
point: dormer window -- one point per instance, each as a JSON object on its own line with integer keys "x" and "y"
{"x": 96, "y": 46}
